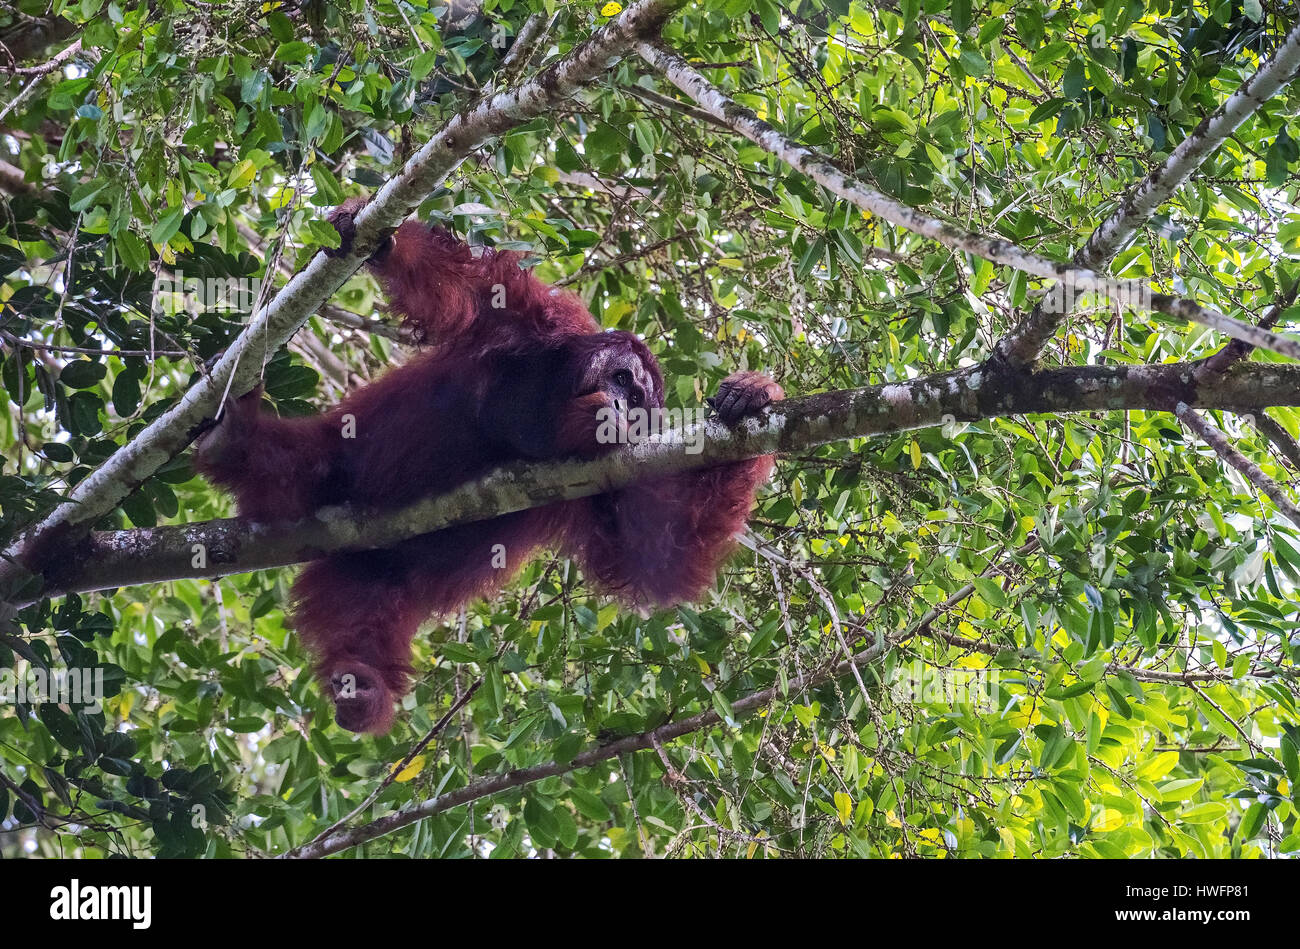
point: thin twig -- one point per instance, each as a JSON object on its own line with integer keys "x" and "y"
{"x": 396, "y": 769}
{"x": 51, "y": 348}
{"x": 46, "y": 68}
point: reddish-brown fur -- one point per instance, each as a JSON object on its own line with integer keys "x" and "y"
{"x": 499, "y": 386}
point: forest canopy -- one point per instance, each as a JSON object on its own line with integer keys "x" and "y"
{"x": 1023, "y": 582}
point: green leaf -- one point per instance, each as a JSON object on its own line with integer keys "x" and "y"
{"x": 543, "y": 827}
{"x": 1072, "y": 83}
{"x": 1276, "y": 163}
{"x": 135, "y": 254}
{"x": 456, "y": 652}
{"x": 1253, "y": 822}
{"x": 126, "y": 393}
{"x": 590, "y": 806}
{"x": 246, "y": 725}
{"x": 1216, "y": 718}
{"x": 1288, "y": 746}
{"x": 1180, "y": 790}
{"x": 973, "y": 62}
{"x": 293, "y": 51}
{"x": 168, "y": 225}
{"x": 84, "y": 195}
{"x": 82, "y": 373}
{"x": 1047, "y": 109}
{"x": 1070, "y": 691}
{"x": 1205, "y": 813}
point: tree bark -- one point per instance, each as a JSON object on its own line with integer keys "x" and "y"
{"x": 269, "y": 328}
{"x": 111, "y": 559}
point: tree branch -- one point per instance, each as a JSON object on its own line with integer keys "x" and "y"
{"x": 1245, "y": 333}
{"x": 111, "y": 559}
{"x": 1026, "y": 340}
{"x": 46, "y": 68}
{"x": 1271, "y": 429}
{"x": 819, "y": 168}
{"x": 1238, "y": 349}
{"x": 327, "y": 311}
{"x": 344, "y": 839}
{"x": 1219, "y": 442}
{"x": 270, "y": 327}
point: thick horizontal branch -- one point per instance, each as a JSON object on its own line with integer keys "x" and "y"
{"x": 1027, "y": 339}
{"x": 853, "y": 189}
{"x": 111, "y": 559}
{"x": 270, "y": 327}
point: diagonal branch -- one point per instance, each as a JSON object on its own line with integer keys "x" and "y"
{"x": 112, "y": 559}
{"x": 1211, "y": 435}
{"x": 1026, "y": 340}
{"x": 1272, "y": 429}
{"x": 328, "y": 311}
{"x": 344, "y": 839}
{"x": 272, "y": 325}
{"x": 1245, "y": 334}
{"x": 337, "y": 839}
{"x": 853, "y": 189}
{"x": 48, "y": 67}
